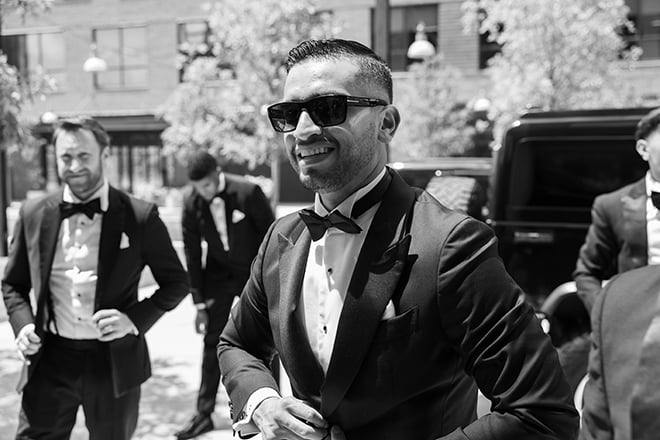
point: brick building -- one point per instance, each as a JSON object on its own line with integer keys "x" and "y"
{"x": 141, "y": 40}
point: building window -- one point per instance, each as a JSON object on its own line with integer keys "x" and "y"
{"x": 35, "y": 55}
{"x": 125, "y": 52}
{"x": 645, "y": 15}
{"x": 403, "y": 21}
{"x": 193, "y": 41}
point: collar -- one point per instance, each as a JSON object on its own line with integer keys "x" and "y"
{"x": 222, "y": 182}
{"x": 651, "y": 184}
{"x": 102, "y": 193}
{"x": 346, "y": 206}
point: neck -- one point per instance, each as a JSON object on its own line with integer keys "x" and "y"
{"x": 333, "y": 199}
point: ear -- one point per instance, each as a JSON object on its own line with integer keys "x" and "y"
{"x": 642, "y": 149}
{"x": 105, "y": 153}
{"x": 389, "y": 122}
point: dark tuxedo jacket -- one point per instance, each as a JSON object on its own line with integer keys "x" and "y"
{"x": 460, "y": 322}
{"x": 119, "y": 270}
{"x": 620, "y": 318}
{"x": 248, "y": 215}
{"x": 616, "y": 240}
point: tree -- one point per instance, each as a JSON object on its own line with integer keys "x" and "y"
{"x": 13, "y": 131}
{"x": 220, "y": 106}
{"x": 556, "y": 55}
{"x": 434, "y": 121}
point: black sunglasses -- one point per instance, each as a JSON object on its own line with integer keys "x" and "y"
{"x": 325, "y": 111}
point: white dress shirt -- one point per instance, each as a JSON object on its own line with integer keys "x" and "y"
{"x": 330, "y": 264}
{"x": 652, "y": 221}
{"x": 74, "y": 271}
{"x": 219, "y": 213}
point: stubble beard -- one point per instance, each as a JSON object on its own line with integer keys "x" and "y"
{"x": 359, "y": 156}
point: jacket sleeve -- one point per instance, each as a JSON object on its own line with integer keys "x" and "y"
{"x": 596, "y": 422}
{"x": 501, "y": 342}
{"x": 167, "y": 270}
{"x": 192, "y": 245}
{"x": 16, "y": 282}
{"x": 597, "y": 256}
{"x": 246, "y": 347}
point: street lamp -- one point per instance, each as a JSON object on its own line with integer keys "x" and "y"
{"x": 421, "y": 48}
{"x": 94, "y": 64}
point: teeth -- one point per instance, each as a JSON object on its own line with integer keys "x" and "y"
{"x": 313, "y": 151}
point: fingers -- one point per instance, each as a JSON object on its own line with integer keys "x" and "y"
{"x": 111, "y": 323}
{"x": 28, "y": 343}
{"x": 289, "y": 418}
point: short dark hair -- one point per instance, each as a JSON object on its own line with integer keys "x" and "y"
{"x": 82, "y": 123}
{"x": 200, "y": 164}
{"x": 648, "y": 124}
{"x": 372, "y": 67}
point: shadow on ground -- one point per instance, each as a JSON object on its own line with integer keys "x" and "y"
{"x": 167, "y": 401}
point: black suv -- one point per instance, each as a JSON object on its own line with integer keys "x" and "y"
{"x": 549, "y": 169}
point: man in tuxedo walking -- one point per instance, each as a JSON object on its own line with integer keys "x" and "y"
{"x": 224, "y": 219}
{"x": 625, "y": 229}
{"x": 387, "y": 309}
{"x": 81, "y": 251}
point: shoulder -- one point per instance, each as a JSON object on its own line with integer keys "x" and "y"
{"x": 430, "y": 213}
{"x": 630, "y": 289}
{"x": 239, "y": 183}
{"x": 140, "y": 208}
{"x": 34, "y": 204}
{"x": 635, "y": 189}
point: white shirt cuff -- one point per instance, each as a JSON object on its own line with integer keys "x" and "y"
{"x": 245, "y": 425}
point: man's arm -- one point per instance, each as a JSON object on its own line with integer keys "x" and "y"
{"x": 598, "y": 255}
{"x": 505, "y": 350}
{"x": 172, "y": 280}
{"x": 192, "y": 245}
{"x": 16, "y": 282}
{"x": 596, "y": 423}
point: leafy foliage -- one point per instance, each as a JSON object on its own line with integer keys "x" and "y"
{"x": 434, "y": 121}
{"x": 14, "y": 132}
{"x": 556, "y": 55}
{"x": 220, "y": 106}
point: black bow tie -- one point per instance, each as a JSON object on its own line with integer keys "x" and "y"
{"x": 89, "y": 209}
{"x": 655, "y": 198}
{"x": 317, "y": 224}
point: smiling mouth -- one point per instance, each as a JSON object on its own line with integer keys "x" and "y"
{"x": 313, "y": 152}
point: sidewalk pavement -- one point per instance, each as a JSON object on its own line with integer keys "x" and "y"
{"x": 168, "y": 397}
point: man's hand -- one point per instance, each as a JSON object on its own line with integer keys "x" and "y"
{"x": 289, "y": 418}
{"x": 336, "y": 433}
{"x": 27, "y": 341}
{"x": 202, "y": 321}
{"x": 112, "y": 324}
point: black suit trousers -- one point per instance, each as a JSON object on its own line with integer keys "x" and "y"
{"x": 69, "y": 374}
{"x": 210, "y": 379}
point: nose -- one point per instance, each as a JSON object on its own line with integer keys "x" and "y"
{"x": 75, "y": 165}
{"x": 306, "y": 127}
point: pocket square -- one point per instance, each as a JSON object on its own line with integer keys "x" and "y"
{"x": 237, "y": 216}
{"x": 124, "y": 242}
{"x": 389, "y": 312}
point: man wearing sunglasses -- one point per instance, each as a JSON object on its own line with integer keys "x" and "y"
{"x": 387, "y": 309}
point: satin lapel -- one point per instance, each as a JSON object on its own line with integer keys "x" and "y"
{"x": 634, "y": 218}
{"x": 374, "y": 281}
{"x": 49, "y": 229}
{"x": 111, "y": 230}
{"x": 297, "y": 356}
